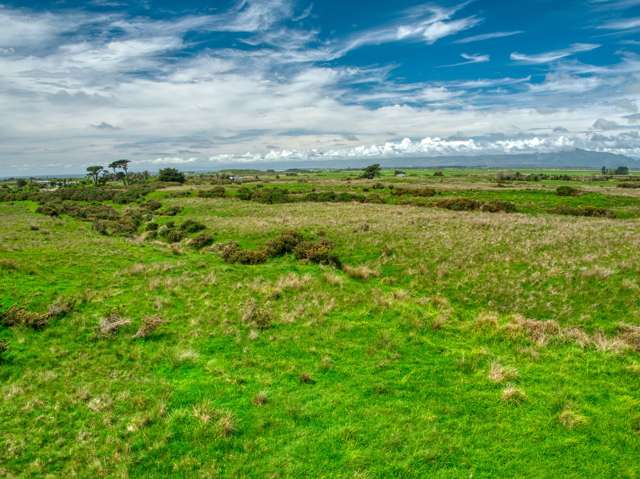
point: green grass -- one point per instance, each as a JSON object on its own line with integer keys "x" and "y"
{"x": 399, "y": 363}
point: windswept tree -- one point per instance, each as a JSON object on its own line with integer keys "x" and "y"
{"x": 94, "y": 173}
{"x": 371, "y": 171}
{"x": 121, "y": 165}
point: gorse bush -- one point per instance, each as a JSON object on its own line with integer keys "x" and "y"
{"x": 425, "y": 192}
{"x": 468, "y": 204}
{"x": 201, "y": 241}
{"x": 589, "y": 211}
{"x": 459, "y": 204}
{"x": 283, "y": 244}
{"x": 233, "y": 253}
{"x": 320, "y": 252}
{"x": 191, "y": 226}
{"x": 567, "y": 191}
{"x": 216, "y": 192}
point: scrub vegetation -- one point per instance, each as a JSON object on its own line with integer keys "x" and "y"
{"x": 451, "y": 323}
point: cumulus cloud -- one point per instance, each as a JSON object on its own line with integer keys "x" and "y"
{"x": 553, "y": 56}
{"x": 120, "y": 86}
{"x": 558, "y": 141}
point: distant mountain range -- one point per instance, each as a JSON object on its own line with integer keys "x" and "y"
{"x": 565, "y": 159}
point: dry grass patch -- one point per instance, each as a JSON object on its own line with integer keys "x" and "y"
{"x": 261, "y": 399}
{"x": 257, "y": 315}
{"x": 513, "y": 395}
{"x": 500, "y": 374}
{"x": 630, "y": 334}
{"x": 293, "y": 282}
{"x": 360, "y": 272}
{"x": 571, "y": 419}
{"x": 148, "y": 326}
{"x": 111, "y": 324}
{"x": 538, "y": 331}
{"x": 333, "y": 279}
{"x": 227, "y": 425}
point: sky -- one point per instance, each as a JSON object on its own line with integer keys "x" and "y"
{"x": 199, "y": 84}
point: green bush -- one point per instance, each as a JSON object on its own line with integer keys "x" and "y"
{"x": 201, "y": 241}
{"x": 567, "y": 191}
{"x": 320, "y": 252}
{"x": 171, "y": 175}
{"x": 190, "y": 226}
{"x": 590, "y": 211}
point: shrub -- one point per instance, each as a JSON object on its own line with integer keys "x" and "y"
{"x": 233, "y": 253}
{"x": 4, "y": 347}
{"x": 590, "y": 211}
{"x": 170, "y": 211}
{"x": 425, "y": 192}
{"x": 628, "y": 185}
{"x": 244, "y": 193}
{"x": 171, "y": 175}
{"x": 152, "y": 205}
{"x": 498, "y": 207}
{"x": 270, "y": 196}
{"x": 191, "y": 226}
{"x": 283, "y": 244}
{"x": 151, "y": 227}
{"x": 567, "y": 191}
{"x": 16, "y": 316}
{"x": 201, "y": 241}
{"x": 459, "y": 204}
{"x": 320, "y": 252}
{"x": 216, "y": 192}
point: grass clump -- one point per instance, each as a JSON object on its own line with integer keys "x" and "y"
{"x": 148, "y": 326}
{"x": 111, "y": 324}
{"x": 571, "y": 419}
{"x": 360, "y": 272}
{"x": 257, "y": 315}
{"x": 513, "y": 395}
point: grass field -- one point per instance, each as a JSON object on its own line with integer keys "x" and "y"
{"x": 448, "y": 343}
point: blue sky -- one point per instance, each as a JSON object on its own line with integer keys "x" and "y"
{"x": 199, "y": 84}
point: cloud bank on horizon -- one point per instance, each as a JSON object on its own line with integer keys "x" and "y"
{"x": 167, "y": 83}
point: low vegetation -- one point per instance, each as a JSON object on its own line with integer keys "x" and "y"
{"x": 329, "y": 324}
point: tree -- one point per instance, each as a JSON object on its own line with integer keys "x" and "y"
{"x": 622, "y": 170}
{"x": 371, "y": 171}
{"x": 94, "y": 173}
{"x": 121, "y": 165}
{"x": 604, "y": 171}
{"x": 171, "y": 175}
{"x": 21, "y": 183}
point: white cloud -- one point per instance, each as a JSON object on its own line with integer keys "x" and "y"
{"x": 555, "y": 55}
{"x": 470, "y": 59}
{"x": 624, "y": 24}
{"x": 101, "y": 95}
{"x": 488, "y": 36}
